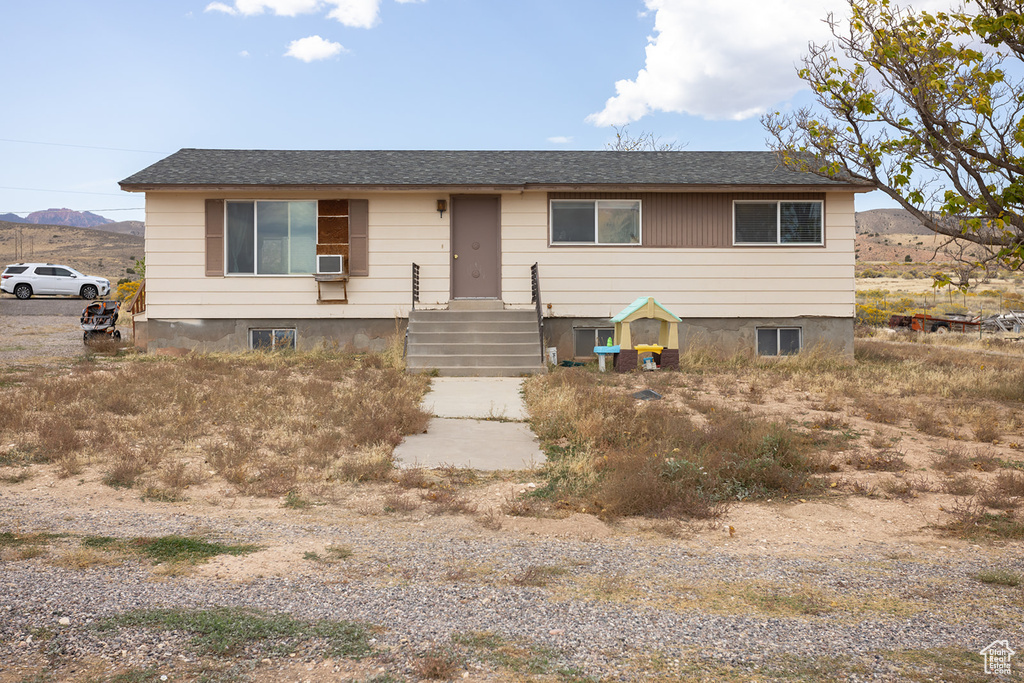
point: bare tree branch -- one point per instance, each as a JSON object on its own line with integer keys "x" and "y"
{"x": 644, "y": 142}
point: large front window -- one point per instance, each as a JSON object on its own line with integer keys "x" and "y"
{"x": 271, "y": 238}
{"x": 777, "y": 222}
{"x": 595, "y": 221}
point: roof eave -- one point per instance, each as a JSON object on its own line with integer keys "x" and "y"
{"x": 550, "y": 187}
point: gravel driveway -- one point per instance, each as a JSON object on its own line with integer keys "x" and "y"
{"x": 43, "y": 331}
{"x": 622, "y": 607}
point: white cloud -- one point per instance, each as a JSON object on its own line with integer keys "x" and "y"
{"x": 243, "y": 53}
{"x": 721, "y": 60}
{"x": 560, "y": 140}
{"x": 282, "y": 8}
{"x": 220, "y": 7}
{"x": 313, "y": 48}
{"x": 353, "y": 13}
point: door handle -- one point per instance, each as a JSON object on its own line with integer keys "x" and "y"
{"x": 455, "y": 256}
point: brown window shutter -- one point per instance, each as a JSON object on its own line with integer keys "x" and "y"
{"x": 214, "y": 238}
{"x": 358, "y": 235}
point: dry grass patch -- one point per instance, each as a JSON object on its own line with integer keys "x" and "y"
{"x": 438, "y": 665}
{"x": 960, "y": 485}
{"x": 85, "y": 558}
{"x": 905, "y": 487}
{"x": 615, "y": 455}
{"x": 926, "y": 421}
{"x": 952, "y": 458}
{"x": 311, "y": 416}
{"x": 446, "y": 501}
{"x": 884, "y": 460}
{"x": 400, "y": 503}
{"x": 369, "y": 463}
{"x": 970, "y": 518}
{"x": 538, "y": 576}
{"x": 713, "y": 441}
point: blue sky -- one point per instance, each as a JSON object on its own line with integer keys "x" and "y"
{"x": 98, "y": 90}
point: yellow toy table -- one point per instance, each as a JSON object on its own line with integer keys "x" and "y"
{"x": 645, "y": 348}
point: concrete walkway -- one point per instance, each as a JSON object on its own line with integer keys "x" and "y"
{"x": 479, "y": 422}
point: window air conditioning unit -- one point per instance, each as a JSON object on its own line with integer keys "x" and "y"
{"x": 329, "y": 263}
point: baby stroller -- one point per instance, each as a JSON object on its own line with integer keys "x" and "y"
{"x": 98, "y": 320}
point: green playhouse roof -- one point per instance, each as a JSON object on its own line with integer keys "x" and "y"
{"x": 640, "y": 303}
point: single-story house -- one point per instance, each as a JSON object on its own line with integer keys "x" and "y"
{"x": 251, "y": 248}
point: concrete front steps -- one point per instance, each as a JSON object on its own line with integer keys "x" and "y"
{"x": 474, "y": 339}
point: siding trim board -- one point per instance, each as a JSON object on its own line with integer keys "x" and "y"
{"x": 688, "y": 219}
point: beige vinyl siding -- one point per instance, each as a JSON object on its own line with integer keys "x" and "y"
{"x": 403, "y": 228}
{"x": 577, "y": 281}
{"x": 727, "y": 281}
{"x": 687, "y": 219}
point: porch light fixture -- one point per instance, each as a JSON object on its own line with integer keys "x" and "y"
{"x": 442, "y": 206}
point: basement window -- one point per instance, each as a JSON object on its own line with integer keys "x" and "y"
{"x": 779, "y": 341}
{"x": 586, "y": 338}
{"x": 279, "y": 339}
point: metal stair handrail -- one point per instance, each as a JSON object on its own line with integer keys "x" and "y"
{"x": 535, "y": 294}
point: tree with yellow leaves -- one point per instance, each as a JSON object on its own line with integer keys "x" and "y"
{"x": 928, "y": 108}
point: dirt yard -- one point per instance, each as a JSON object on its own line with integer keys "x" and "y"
{"x": 455, "y": 575}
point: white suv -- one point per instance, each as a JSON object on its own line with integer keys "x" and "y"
{"x": 25, "y": 279}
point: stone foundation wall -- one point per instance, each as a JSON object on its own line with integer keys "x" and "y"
{"x": 233, "y": 335}
{"x": 727, "y": 335}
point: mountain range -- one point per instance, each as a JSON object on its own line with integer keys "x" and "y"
{"x": 77, "y": 219}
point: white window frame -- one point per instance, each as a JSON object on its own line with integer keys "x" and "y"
{"x": 778, "y": 223}
{"x": 273, "y": 337}
{"x": 778, "y": 331}
{"x": 640, "y": 223}
{"x": 255, "y": 228}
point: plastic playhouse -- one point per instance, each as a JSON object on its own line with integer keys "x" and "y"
{"x": 626, "y": 355}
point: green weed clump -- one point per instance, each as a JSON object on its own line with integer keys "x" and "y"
{"x": 185, "y": 549}
{"x": 621, "y": 456}
{"x": 999, "y": 577}
{"x": 224, "y": 631}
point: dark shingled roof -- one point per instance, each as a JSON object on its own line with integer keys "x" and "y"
{"x": 355, "y": 168}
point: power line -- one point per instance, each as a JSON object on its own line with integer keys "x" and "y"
{"x": 61, "y": 144}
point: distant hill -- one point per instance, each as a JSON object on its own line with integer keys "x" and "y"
{"x": 76, "y": 219}
{"x": 889, "y": 222}
{"x": 124, "y": 227}
{"x": 91, "y": 250}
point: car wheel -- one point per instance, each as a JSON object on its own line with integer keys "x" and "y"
{"x": 22, "y": 291}
{"x": 89, "y": 292}
{"x": 85, "y": 337}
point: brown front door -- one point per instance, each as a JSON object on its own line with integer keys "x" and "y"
{"x": 476, "y": 225}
